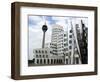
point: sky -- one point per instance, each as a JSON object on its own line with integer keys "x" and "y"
{"x": 35, "y": 33}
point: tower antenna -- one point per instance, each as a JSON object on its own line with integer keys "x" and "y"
{"x": 44, "y": 29}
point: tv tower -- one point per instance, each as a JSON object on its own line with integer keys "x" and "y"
{"x": 44, "y": 29}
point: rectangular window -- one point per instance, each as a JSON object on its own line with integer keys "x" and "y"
{"x": 42, "y": 51}
{"x": 64, "y": 35}
{"x": 66, "y": 61}
{"x": 70, "y": 36}
{"x": 70, "y": 41}
{"x": 45, "y": 51}
{"x": 70, "y": 47}
{"x": 37, "y": 56}
{"x": 46, "y": 56}
{"x": 43, "y": 56}
{"x": 71, "y": 31}
{"x": 77, "y": 61}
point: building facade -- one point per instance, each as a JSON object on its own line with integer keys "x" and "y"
{"x": 45, "y": 56}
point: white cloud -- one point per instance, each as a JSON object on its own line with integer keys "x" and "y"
{"x": 35, "y": 18}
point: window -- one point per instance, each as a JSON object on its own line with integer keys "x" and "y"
{"x": 42, "y": 51}
{"x": 70, "y": 47}
{"x": 36, "y": 55}
{"x": 33, "y": 60}
{"x": 77, "y": 61}
{"x": 37, "y": 61}
{"x": 45, "y": 51}
{"x": 40, "y": 56}
{"x": 66, "y": 61}
{"x": 48, "y": 61}
{"x": 70, "y": 41}
{"x": 71, "y": 31}
{"x": 57, "y": 61}
{"x": 43, "y": 56}
{"x": 46, "y": 56}
{"x": 51, "y": 61}
{"x": 64, "y": 35}
{"x": 44, "y": 61}
{"x": 40, "y": 61}
{"x": 61, "y": 61}
{"x": 51, "y": 52}
{"x": 39, "y": 51}
{"x": 36, "y": 51}
{"x": 70, "y": 36}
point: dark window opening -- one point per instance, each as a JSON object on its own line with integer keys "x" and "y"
{"x": 70, "y": 36}
{"x": 77, "y": 61}
{"x": 70, "y": 41}
{"x": 71, "y": 31}
{"x": 70, "y": 47}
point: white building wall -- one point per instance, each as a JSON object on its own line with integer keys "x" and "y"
{"x": 57, "y": 38}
